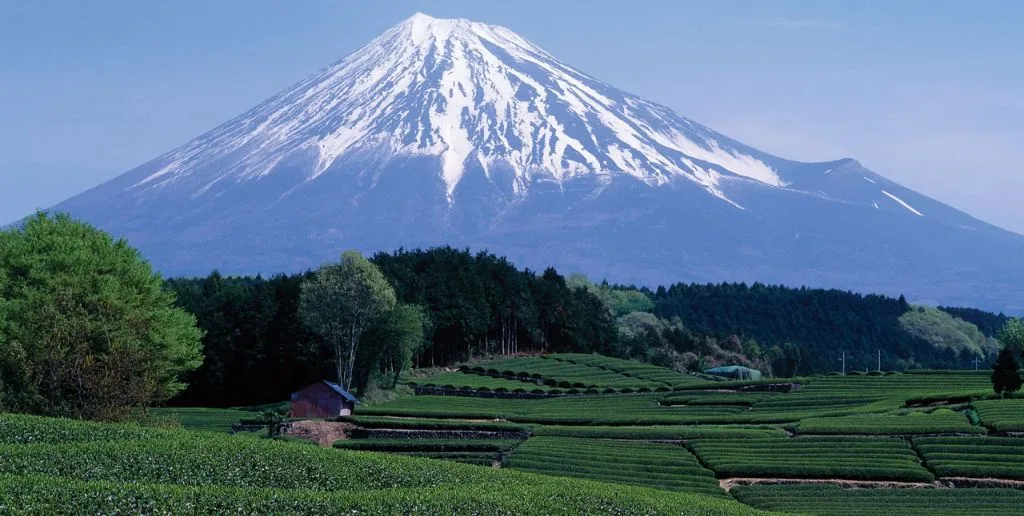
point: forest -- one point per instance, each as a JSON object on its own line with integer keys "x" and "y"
{"x": 477, "y": 304}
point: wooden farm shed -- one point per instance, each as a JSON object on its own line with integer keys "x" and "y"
{"x": 322, "y": 399}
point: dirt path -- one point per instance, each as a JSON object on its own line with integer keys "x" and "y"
{"x": 323, "y": 433}
{"x": 955, "y": 482}
{"x": 729, "y": 483}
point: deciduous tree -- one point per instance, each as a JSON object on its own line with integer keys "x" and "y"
{"x": 90, "y": 329}
{"x": 340, "y": 303}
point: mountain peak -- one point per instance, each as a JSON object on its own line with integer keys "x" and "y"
{"x": 448, "y": 131}
{"x": 473, "y": 96}
{"x": 420, "y": 29}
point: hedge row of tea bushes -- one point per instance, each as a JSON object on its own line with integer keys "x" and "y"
{"x": 616, "y": 410}
{"x": 742, "y": 399}
{"x": 24, "y": 429}
{"x": 407, "y": 423}
{"x": 832, "y": 396}
{"x": 830, "y": 500}
{"x": 428, "y": 445}
{"x": 205, "y": 419}
{"x": 854, "y": 458}
{"x": 469, "y": 381}
{"x": 662, "y": 433}
{"x": 69, "y": 467}
{"x": 514, "y": 494}
{"x": 976, "y": 457}
{"x": 941, "y": 421}
{"x": 481, "y": 452}
{"x": 632, "y": 368}
{"x": 559, "y": 373}
{"x": 1001, "y": 415}
{"x": 663, "y": 466}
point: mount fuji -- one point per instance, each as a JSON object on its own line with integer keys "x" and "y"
{"x": 456, "y": 132}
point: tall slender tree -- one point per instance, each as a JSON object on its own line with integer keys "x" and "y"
{"x": 340, "y": 303}
{"x": 1006, "y": 373}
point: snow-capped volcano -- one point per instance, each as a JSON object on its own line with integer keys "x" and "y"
{"x": 465, "y": 92}
{"x": 457, "y": 132}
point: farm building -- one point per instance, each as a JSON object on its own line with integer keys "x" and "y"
{"x": 735, "y": 371}
{"x": 322, "y": 399}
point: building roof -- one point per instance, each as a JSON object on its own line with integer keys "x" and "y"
{"x": 341, "y": 392}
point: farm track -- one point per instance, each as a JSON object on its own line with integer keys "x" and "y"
{"x": 728, "y": 483}
{"x": 971, "y": 482}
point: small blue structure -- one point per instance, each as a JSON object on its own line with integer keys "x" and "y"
{"x": 736, "y": 372}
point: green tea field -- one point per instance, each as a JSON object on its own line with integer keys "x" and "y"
{"x": 555, "y": 435}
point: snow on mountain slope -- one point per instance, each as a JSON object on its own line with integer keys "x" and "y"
{"x": 455, "y": 132}
{"x": 465, "y": 92}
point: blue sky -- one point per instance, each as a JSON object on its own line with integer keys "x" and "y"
{"x": 927, "y": 93}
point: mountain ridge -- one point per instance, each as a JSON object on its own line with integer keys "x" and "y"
{"x": 455, "y": 132}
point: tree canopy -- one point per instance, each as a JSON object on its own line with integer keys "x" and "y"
{"x": 340, "y": 303}
{"x": 476, "y": 304}
{"x": 945, "y": 331}
{"x": 1011, "y": 336}
{"x": 90, "y": 330}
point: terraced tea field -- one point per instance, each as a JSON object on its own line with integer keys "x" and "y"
{"x": 849, "y": 395}
{"x": 973, "y": 457}
{"x": 205, "y": 419}
{"x": 1001, "y": 415}
{"x": 619, "y": 409}
{"x": 831, "y": 500}
{"x": 900, "y": 439}
{"x": 632, "y": 368}
{"x": 565, "y": 374}
{"x": 609, "y": 436}
{"x": 850, "y": 458}
{"x": 69, "y": 467}
{"x": 663, "y": 466}
{"x": 940, "y": 421}
{"x": 468, "y": 381}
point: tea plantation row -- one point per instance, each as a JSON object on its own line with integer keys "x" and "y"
{"x": 54, "y": 466}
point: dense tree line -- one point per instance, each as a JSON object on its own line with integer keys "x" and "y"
{"x": 988, "y": 323}
{"x": 258, "y": 349}
{"x": 481, "y": 304}
{"x": 465, "y": 305}
{"x": 88, "y": 330}
{"x": 820, "y": 324}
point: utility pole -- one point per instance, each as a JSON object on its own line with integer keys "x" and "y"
{"x": 879, "y": 360}
{"x": 975, "y": 363}
{"x": 844, "y": 362}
